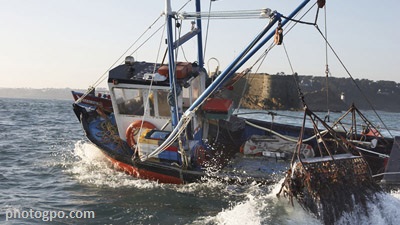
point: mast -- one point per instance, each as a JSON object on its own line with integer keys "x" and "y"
{"x": 228, "y": 72}
{"x": 199, "y": 37}
{"x": 171, "y": 62}
{"x": 246, "y": 54}
{"x": 171, "y": 56}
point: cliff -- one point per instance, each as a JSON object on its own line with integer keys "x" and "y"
{"x": 280, "y": 92}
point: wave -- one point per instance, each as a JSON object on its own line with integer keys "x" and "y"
{"x": 248, "y": 204}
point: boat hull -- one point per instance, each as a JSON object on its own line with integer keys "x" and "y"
{"x": 267, "y": 170}
{"x": 122, "y": 158}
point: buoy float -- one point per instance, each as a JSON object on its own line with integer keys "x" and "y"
{"x": 133, "y": 130}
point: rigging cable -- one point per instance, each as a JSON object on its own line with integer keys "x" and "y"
{"x": 187, "y": 116}
{"x": 273, "y": 44}
{"x": 347, "y": 71}
{"x": 352, "y": 79}
{"x": 287, "y": 56}
{"x": 178, "y": 32}
{"x": 208, "y": 26}
{"x": 184, "y": 5}
{"x": 146, "y": 106}
{"x": 326, "y": 68}
{"x": 175, "y": 91}
{"x": 103, "y": 76}
{"x": 253, "y": 43}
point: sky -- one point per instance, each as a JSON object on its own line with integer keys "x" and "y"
{"x": 70, "y": 44}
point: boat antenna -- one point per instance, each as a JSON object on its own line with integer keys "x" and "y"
{"x": 327, "y": 72}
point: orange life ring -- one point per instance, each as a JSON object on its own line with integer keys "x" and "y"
{"x": 133, "y": 130}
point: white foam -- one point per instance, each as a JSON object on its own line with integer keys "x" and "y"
{"x": 395, "y": 193}
{"x": 383, "y": 210}
{"x": 247, "y": 212}
{"x": 259, "y": 204}
{"x": 88, "y": 165}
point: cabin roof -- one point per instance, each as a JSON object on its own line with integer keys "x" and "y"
{"x": 134, "y": 73}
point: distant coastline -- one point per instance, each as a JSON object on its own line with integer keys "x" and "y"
{"x": 32, "y": 93}
{"x": 275, "y": 92}
{"x": 42, "y": 93}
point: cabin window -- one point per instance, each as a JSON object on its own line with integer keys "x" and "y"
{"x": 191, "y": 93}
{"x": 129, "y": 101}
{"x": 163, "y": 107}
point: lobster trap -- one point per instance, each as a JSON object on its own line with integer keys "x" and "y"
{"x": 335, "y": 181}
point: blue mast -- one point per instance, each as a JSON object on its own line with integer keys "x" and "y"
{"x": 240, "y": 60}
{"x": 245, "y": 55}
{"x": 199, "y": 37}
{"x": 171, "y": 61}
{"x": 171, "y": 57}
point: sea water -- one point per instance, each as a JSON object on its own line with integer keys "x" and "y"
{"x": 47, "y": 165}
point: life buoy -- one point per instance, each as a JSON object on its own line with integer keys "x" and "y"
{"x": 133, "y": 130}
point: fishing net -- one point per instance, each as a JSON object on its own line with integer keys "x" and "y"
{"x": 335, "y": 182}
{"x": 328, "y": 188}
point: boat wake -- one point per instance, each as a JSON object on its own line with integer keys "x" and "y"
{"x": 263, "y": 207}
{"x": 383, "y": 210}
{"x": 240, "y": 204}
{"x": 87, "y": 164}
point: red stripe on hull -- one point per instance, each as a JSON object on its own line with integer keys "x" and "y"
{"x": 95, "y": 101}
{"x": 144, "y": 174}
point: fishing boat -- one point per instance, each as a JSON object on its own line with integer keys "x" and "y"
{"x": 170, "y": 121}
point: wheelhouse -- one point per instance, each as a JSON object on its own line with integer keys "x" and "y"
{"x": 140, "y": 91}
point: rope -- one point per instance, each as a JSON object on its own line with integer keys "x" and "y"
{"x": 174, "y": 88}
{"x": 244, "y": 89}
{"x": 299, "y": 21}
{"x": 184, "y": 5}
{"x": 103, "y": 76}
{"x": 327, "y": 66}
{"x": 109, "y": 133}
{"x": 261, "y": 59}
{"x": 355, "y": 83}
{"x": 376, "y": 153}
{"x": 387, "y": 173}
{"x": 181, "y": 126}
{"x": 287, "y": 56}
{"x": 208, "y": 26}
{"x": 146, "y": 106}
{"x": 280, "y": 135}
{"x": 145, "y": 41}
